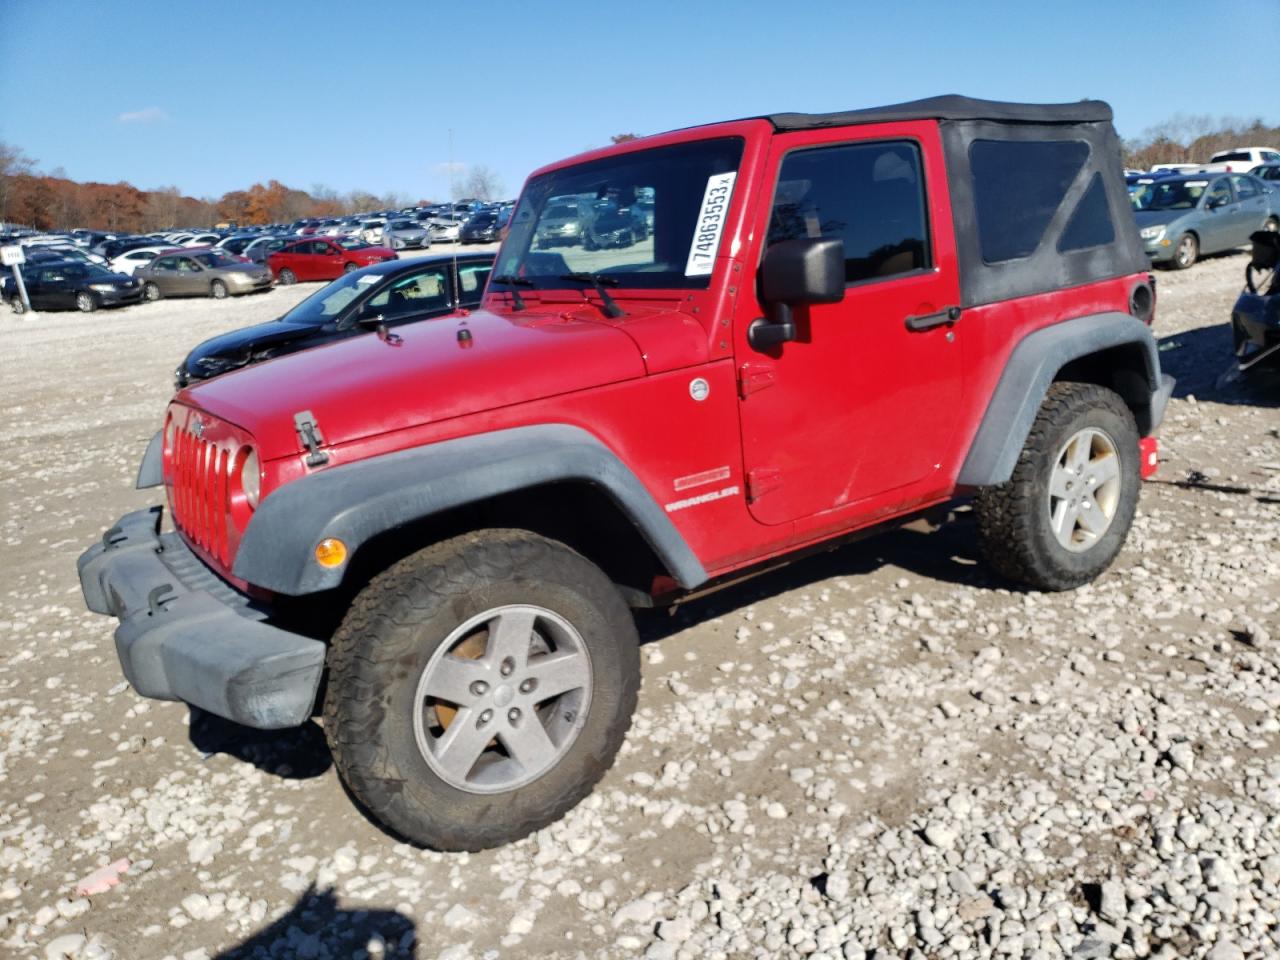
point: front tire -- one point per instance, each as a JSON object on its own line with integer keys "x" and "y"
{"x": 86, "y": 302}
{"x": 479, "y": 689}
{"x": 218, "y": 290}
{"x": 1186, "y": 252}
{"x": 349, "y": 267}
{"x": 151, "y": 292}
{"x": 18, "y": 306}
{"x": 1062, "y": 517}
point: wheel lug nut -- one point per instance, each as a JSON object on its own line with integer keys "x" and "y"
{"x": 508, "y": 665}
{"x": 479, "y": 688}
{"x": 485, "y": 717}
{"x": 513, "y": 715}
{"x": 528, "y": 685}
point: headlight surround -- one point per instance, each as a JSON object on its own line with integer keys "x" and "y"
{"x": 250, "y": 478}
{"x": 241, "y": 277}
{"x": 1152, "y": 233}
{"x": 102, "y": 287}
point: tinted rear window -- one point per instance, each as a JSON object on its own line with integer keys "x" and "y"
{"x": 1227, "y": 157}
{"x": 1090, "y": 224}
{"x": 1017, "y": 188}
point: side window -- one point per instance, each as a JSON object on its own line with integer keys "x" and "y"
{"x": 416, "y": 293}
{"x": 1018, "y": 186}
{"x": 471, "y": 281}
{"x": 1270, "y": 156}
{"x": 1219, "y": 194}
{"x": 186, "y": 266}
{"x": 870, "y": 195}
{"x": 1244, "y": 187}
{"x": 166, "y": 263}
{"x": 1090, "y": 224}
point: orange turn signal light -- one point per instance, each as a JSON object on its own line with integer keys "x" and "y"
{"x": 331, "y": 552}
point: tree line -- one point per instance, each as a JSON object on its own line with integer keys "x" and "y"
{"x": 1194, "y": 139}
{"x": 53, "y": 201}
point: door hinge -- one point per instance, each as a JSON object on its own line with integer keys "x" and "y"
{"x": 762, "y": 480}
{"x": 754, "y": 377}
{"x": 309, "y": 433}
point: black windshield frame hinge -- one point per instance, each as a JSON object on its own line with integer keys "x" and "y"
{"x": 312, "y": 438}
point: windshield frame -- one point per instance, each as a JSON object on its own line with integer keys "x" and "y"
{"x": 722, "y": 150}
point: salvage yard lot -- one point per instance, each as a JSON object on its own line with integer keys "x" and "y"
{"x": 882, "y": 747}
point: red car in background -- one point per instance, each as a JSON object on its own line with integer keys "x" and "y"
{"x": 319, "y": 258}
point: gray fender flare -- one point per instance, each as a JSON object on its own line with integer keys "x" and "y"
{"x": 151, "y": 470}
{"x": 354, "y": 502}
{"x": 1034, "y": 363}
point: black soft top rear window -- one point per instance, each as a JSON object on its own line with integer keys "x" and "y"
{"x": 1017, "y": 188}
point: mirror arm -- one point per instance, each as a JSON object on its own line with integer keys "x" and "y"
{"x": 780, "y": 328}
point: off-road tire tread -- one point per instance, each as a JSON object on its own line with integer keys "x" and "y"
{"x": 1007, "y": 512}
{"x": 378, "y": 633}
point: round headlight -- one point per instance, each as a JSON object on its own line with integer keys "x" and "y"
{"x": 250, "y": 481}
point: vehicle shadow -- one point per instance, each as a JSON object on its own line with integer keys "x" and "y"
{"x": 297, "y": 753}
{"x": 317, "y": 926}
{"x": 1201, "y": 360}
{"x": 948, "y": 554}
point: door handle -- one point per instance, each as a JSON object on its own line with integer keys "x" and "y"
{"x": 930, "y": 320}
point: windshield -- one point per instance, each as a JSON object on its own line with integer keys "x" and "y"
{"x": 663, "y": 212}
{"x": 327, "y": 302}
{"x": 1166, "y": 195}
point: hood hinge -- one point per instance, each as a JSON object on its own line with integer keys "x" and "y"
{"x": 309, "y": 433}
{"x": 762, "y": 480}
{"x": 755, "y": 376}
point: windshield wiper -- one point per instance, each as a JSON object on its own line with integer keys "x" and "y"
{"x": 513, "y": 282}
{"x": 611, "y": 308}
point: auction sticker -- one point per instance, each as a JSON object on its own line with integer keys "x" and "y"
{"x": 706, "y": 235}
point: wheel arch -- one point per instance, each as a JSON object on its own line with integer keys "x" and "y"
{"x": 1113, "y": 350}
{"x": 551, "y": 479}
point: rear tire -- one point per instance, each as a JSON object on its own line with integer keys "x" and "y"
{"x": 1062, "y": 517}
{"x": 286, "y": 277}
{"x": 1185, "y": 252}
{"x": 86, "y": 302}
{"x": 218, "y": 290}
{"x": 421, "y": 630}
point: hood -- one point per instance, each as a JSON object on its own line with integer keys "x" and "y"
{"x": 235, "y": 347}
{"x": 1151, "y": 218}
{"x": 366, "y": 386}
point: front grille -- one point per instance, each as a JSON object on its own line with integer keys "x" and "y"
{"x": 201, "y": 499}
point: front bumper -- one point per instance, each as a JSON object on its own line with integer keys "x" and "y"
{"x": 186, "y": 634}
{"x": 117, "y": 298}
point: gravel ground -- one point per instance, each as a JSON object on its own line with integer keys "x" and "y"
{"x": 882, "y": 752}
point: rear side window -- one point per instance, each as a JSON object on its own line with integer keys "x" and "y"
{"x": 1018, "y": 186}
{"x": 870, "y": 195}
{"x": 1090, "y": 224}
{"x": 472, "y": 279}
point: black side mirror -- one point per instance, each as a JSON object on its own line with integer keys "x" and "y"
{"x": 795, "y": 272}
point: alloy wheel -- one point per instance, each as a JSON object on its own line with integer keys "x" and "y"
{"x": 1084, "y": 489}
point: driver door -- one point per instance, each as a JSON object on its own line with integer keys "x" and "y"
{"x": 855, "y": 414}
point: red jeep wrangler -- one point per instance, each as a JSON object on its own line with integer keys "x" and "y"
{"x": 819, "y": 325}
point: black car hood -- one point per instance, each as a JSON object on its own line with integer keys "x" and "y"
{"x": 239, "y": 347}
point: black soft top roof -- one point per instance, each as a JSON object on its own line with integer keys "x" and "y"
{"x": 952, "y": 107}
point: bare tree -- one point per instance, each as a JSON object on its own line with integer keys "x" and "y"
{"x": 481, "y": 184}
{"x": 13, "y": 164}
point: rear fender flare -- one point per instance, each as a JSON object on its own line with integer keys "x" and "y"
{"x": 355, "y": 502}
{"x": 1033, "y": 366}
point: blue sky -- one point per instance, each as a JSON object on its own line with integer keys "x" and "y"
{"x": 215, "y": 96}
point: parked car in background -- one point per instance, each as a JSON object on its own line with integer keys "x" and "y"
{"x": 70, "y": 252}
{"x": 204, "y": 273}
{"x": 201, "y": 240}
{"x": 71, "y": 285}
{"x": 371, "y": 230}
{"x": 128, "y": 263}
{"x": 484, "y": 227}
{"x": 1269, "y": 172}
{"x": 320, "y": 258}
{"x": 403, "y": 233}
{"x": 560, "y": 225}
{"x": 1174, "y": 167}
{"x": 1181, "y": 218}
{"x": 444, "y": 230}
{"x": 258, "y": 250}
{"x": 1240, "y": 159}
{"x": 398, "y": 292}
{"x": 610, "y": 227}
{"x": 236, "y": 242}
